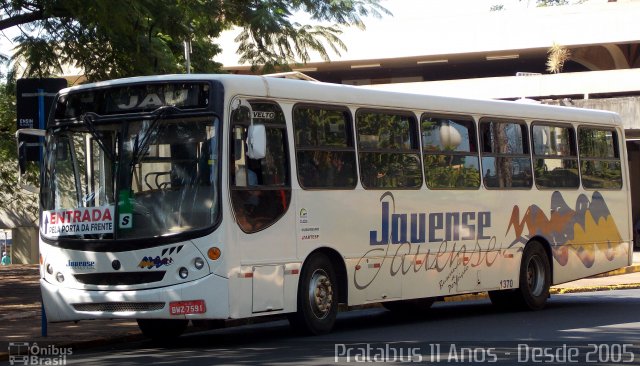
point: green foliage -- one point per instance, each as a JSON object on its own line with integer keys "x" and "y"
{"x": 118, "y": 38}
{"x": 269, "y": 37}
{"x": 7, "y": 125}
{"x": 13, "y": 200}
{"x": 35, "y": 53}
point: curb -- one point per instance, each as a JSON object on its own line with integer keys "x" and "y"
{"x": 571, "y": 290}
{"x": 621, "y": 271}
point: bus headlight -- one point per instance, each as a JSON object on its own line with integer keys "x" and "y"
{"x": 60, "y": 277}
{"x": 49, "y": 268}
{"x": 183, "y": 273}
{"x": 198, "y": 263}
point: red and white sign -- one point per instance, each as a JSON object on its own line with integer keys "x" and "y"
{"x": 78, "y": 221}
{"x": 187, "y": 307}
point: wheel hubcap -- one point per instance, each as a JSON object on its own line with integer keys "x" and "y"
{"x": 535, "y": 276}
{"x": 320, "y": 294}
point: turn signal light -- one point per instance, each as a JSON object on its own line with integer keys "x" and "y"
{"x": 214, "y": 253}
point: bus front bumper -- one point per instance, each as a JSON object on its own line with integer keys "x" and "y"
{"x": 65, "y": 304}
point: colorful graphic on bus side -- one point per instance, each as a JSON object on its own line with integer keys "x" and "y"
{"x": 581, "y": 232}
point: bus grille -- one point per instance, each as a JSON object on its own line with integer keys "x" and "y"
{"x": 122, "y": 278}
{"x": 113, "y": 307}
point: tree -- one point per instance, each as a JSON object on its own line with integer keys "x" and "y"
{"x": 19, "y": 205}
{"x": 117, "y": 38}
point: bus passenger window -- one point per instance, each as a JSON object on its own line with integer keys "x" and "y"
{"x": 450, "y": 153}
{"x": 505, "y": 154}
{"x": 389, "y": 153}
{"x": 600, "y": 164}
{"x": 260, "y": 188}
{"x": 324, "y": 147}
{"x": 555, "y": 161}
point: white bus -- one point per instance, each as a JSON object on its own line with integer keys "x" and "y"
{"x": 189, "y": 197}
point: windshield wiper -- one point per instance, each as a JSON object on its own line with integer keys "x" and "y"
{"x": 141, "y": 146}
{"x": 88, "y": 120}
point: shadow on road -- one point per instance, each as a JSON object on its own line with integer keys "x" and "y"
{"x": 573, "y": 319}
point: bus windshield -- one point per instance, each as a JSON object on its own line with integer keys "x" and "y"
{"x": 131, "y": 179}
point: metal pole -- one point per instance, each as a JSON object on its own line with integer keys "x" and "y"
{"x": 6, "y": 245}
{"x": 41, "y": 119}
{"x": 187, "y": 55}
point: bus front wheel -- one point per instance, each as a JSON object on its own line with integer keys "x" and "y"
{"x": 162, "y": 329}
{"x": 317, "y": 297}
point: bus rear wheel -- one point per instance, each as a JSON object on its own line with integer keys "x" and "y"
{"x": 162, "y": 329}
{"x": 535, "y": 280}
{"x": 317, "y": 297}
{"x": 535, "y": 277}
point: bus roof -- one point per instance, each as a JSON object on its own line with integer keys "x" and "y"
{"x": 319, "y": 92}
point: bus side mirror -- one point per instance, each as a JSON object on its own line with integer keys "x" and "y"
{"x": 256, "y": 142}
{"x": 29, "y": 154}
{"x": 62, "y": 152}
{"x": 256, "y": 133}
{"x": 22, "y": 157}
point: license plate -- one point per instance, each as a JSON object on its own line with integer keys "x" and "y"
{"x": 187, "y": 307}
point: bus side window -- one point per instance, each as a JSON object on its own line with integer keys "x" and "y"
{"x": 505, "y": 154}
{"x": 325, "y": 150}
{"x": 389, "y": 153}
{"x": 555, "y": 161}
{"x": 600, "y": 165}
{"x": 260, "y": 188}
{"x": 450, "y": 153}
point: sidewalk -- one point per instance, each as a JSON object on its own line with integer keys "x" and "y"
{"x": 20, "y": 309}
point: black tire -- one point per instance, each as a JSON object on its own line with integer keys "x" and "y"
{"x": 162, "y": 329}
{"x": 317, "y": 297}
{"x": 535, "y": 280}
{"x": 535, "y": 277}
{"x": 409, "y": 307}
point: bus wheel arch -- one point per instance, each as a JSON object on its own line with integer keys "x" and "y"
{"x": 534, "y": 279}
{"x": 547, "y": 248}
{"x": 321, "y": 286}
{"x": 341, "y": 271}
{"x": 535, "y": 275}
